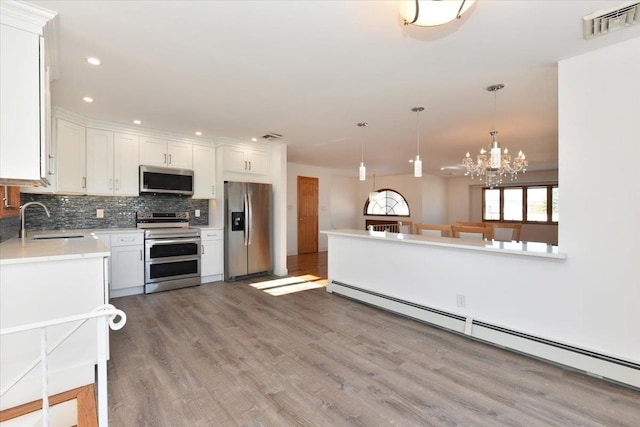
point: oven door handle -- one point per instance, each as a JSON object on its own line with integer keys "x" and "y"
{"x": 151, "y": 242}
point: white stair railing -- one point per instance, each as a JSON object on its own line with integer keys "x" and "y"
{"x": 103, "y": 314}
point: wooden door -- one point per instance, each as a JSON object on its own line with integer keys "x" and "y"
{"x": 307, "y": 215}
{"x": 10, "y": 203}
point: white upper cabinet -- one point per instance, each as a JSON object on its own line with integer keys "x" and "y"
{"x": 23, "y": 88}
{"x": 100, "y": 162}
{"x": 125, "y": 164}
{"x": 112, "y": 163}
{"x": 163, "y": 153}
{"x": 245, "y": 160}
{"x": 70, "y": 143}
{"x": 204, "y": 172}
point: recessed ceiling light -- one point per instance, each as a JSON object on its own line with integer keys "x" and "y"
{"x": 87, "y": 99}
{"x": 441, "y": 169}
{"x": 93, "y": 60}
{"x": 410, "y": 160}
{"x": 254, "y": 139}
{"x": 198, "y": 133}
{"x": 137, "y": 122}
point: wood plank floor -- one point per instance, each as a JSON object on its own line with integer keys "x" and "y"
{"x": 231, "y": 354}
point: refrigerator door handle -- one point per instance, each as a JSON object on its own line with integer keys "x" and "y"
{"x": 246, "y": 220}
{"x": 250, "y": 222}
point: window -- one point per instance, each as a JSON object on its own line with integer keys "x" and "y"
{"x": 387, "y": 203}
{"x": 533, "y": 204}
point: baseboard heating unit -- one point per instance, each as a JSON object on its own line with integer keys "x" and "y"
{"x": 593, "y": 363}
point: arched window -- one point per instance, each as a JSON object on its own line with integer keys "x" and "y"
{"x": 387, "y": 203}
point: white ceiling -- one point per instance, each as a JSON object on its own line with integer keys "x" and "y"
{"x": 311, "y": 70}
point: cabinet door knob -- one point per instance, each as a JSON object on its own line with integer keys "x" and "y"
{"x": 140, "y": 254}
{"x": 110, "y": 183}
{"x": 169, "y": 158}
{"x": 165, "y": 159}
{"x": 84, "y": 182}
{"x": 202, "y": 249}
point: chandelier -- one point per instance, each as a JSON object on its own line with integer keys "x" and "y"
{"x": 429, "y": 13}
{"x": 491, "y": 168}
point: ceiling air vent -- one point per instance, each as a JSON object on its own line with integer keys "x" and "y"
{"x": 604, "y": 21}
{"x": 271, "y": 136}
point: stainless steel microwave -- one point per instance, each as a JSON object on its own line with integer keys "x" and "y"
{"x": 159, "y": 180}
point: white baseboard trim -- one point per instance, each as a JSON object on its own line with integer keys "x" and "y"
{"x": 590, "y": 362}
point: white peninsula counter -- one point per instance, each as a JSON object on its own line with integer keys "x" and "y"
{"x": 508, "y": 293}
{"x": 42, "y": 280}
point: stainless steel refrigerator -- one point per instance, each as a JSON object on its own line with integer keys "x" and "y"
{"x": 247, "y": 237}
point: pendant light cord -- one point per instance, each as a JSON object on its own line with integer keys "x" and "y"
{"x": 362, "y": 125}
{"x": 418, "y": 132}
{"x": 417, "y": 111}
{"x": 495, "y": 108}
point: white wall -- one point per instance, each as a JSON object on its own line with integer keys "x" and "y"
{"x": 336, "y": 207}
{"x": 599, "y": 107}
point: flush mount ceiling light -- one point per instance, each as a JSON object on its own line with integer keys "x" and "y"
{"x": 417, "y": 163}
{"x": 93, "y": 60}
{"x": 491, "y": 169}
{"x": 88, "y": 99}
{"x": 362, "y": 171}
{"x": 430, "y": 13}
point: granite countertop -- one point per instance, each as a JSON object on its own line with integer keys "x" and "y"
{"x": 18, "y": 251}
{"x": 64, "y": 246}
{"x": 534, "y": 249}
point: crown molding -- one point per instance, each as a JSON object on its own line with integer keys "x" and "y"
{"x": 25, "y": 16}
{"x": 81, "y": 120}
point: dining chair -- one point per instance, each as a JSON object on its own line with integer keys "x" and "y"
{"x": 405, "y": 227}
{"x": 472, "y": 233}
{"x": 504, "y": 232}
{"x": 436, "y": 230}
{"x": 471, "y": 224}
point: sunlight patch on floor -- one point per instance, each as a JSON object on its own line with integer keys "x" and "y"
{"x": 276, "y": 282}
{"x": 290, "y": 289}
{"x": 289, "y": 285}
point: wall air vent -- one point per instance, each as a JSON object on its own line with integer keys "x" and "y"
{"x": 272, "y": 136}
{"x": 604, "y": 21}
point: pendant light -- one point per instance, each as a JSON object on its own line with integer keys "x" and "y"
{"x": 362, "y": 171}
{"x": 417, "y": 163}
{"x": 373, "y": 194}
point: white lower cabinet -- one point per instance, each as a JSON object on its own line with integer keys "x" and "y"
{"x": 212, "y": 260}
{"x": 127, "y": 264}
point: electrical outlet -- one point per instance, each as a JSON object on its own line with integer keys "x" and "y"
{"x": 99, "y": 213}
{"x": 197, "y": 213}
{"x": 461, "y": 300}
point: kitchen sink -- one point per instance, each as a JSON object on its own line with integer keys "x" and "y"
{"x": 57, "y": 236}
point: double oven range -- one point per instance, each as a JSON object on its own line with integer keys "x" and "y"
{"x": 171, "y": 251}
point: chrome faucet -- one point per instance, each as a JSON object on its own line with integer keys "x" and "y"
{"x": 23, "y": 231}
